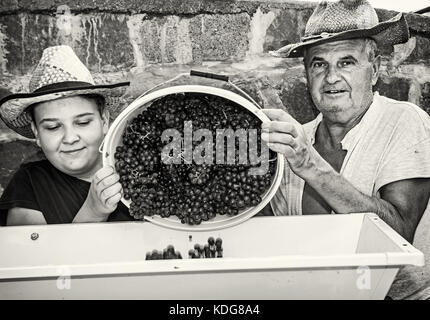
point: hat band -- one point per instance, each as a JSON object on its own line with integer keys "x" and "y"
{"x": 322, "y": 35}
{"x": 63, "y": 85}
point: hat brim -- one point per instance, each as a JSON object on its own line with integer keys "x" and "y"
{"x": 13, "y": 106}
{"x": 390, "y": 32}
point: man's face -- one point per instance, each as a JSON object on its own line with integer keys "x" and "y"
{"x": 70, "y": 131}
{"x": 340, "y": 78}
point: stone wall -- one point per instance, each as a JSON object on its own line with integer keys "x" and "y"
{"x": 151, "y": 41}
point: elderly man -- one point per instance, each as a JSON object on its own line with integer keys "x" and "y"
{"x": 363, "y": 152}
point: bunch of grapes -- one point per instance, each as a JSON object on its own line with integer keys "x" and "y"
{"x": 168, "y": 253}
{"x": 213, "y": 249}
{"x": 192, "y": 192}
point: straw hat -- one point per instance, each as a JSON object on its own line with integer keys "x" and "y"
{"x": 59, "y": 74}
{"x": 346, "y": 19}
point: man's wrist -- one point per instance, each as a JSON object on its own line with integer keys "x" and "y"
{"x": 310, "y": 168}
{"x": 318, "y": 170}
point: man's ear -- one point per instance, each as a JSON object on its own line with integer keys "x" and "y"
{"x": 376, "y": 64}
{"x": 105, "y": 118}
{"x": 35, "y": 132}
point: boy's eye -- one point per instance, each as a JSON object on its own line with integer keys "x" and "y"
{"x": 83, "y": 123}
{"x": 52, "y": 128}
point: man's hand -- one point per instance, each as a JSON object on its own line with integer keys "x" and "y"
{"x": 285, "y": 135}
{"x": 103, "y": 197}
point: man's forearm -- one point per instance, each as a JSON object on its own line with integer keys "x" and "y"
{"x": 343, "y": 197}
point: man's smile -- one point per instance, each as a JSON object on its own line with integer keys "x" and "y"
{"x": 334, "y": 93}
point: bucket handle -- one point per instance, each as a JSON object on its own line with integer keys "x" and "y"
{"x": 226, "y": 79}
{"x": 198, "y": 74}
{"x": 162, "y": 84}
{"x": 204, "y": 75}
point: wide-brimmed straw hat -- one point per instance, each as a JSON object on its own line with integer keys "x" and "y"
{"x": 59, "y": 74}
{"x": 343, "y": 20}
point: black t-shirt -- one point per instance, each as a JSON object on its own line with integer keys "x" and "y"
{"x": 40, "y": 186}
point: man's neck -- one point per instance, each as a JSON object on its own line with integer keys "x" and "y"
{"x": 331, "y": 132}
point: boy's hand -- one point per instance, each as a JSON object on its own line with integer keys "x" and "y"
{"x": 105, "y": 192}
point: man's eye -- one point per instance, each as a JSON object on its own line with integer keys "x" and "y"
{"x": 318, "y": 65}
{"x": 346, "y": 63}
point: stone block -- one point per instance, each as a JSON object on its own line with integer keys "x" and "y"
{"x": 103, "y": 42}
{"x": 178, "y": 7}
{"x": 9, "y": 6}
{"x": 395, "y": 88}
{"x": 283, "y": 30}
{"x": 165, "y": 39}
{"x": 219, "y": 37}
{"x": 24, "y": 38}
{"x": 154, "y": 33}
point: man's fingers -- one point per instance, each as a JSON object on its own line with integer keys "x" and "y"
{"x": 278, "y": 115}
{"x": 282, "y": 148}
{"x": 279, "y": 126}
{"x": 281, "y": 138}
{"x": 103, "y": 173}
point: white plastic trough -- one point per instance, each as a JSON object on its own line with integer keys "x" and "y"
{"x": 353, "y": 256}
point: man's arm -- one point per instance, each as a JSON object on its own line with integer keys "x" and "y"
{"x": 401, "y": 205}
{"x": 410, "y": 197}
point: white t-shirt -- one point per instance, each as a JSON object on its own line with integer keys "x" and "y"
{"x": 390, "y": 143}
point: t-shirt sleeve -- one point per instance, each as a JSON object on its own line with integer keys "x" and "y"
{"x": 18, "y": 193}
{"x": 408, "y": 156}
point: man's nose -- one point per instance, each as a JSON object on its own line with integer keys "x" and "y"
{"x": 332, "y": 75}
{"x": 70, "y": 135}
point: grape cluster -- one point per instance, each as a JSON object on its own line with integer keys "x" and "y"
{"x": 213, "y": 249}
{"x": 168, "y": 253}
{"x": 192, "y": 192}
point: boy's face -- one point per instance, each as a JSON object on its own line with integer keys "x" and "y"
{"x": 70, "y": 131}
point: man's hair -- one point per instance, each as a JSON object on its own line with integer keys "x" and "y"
{"x": 370, "y": 46}
{"x": 98, "y": 99}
